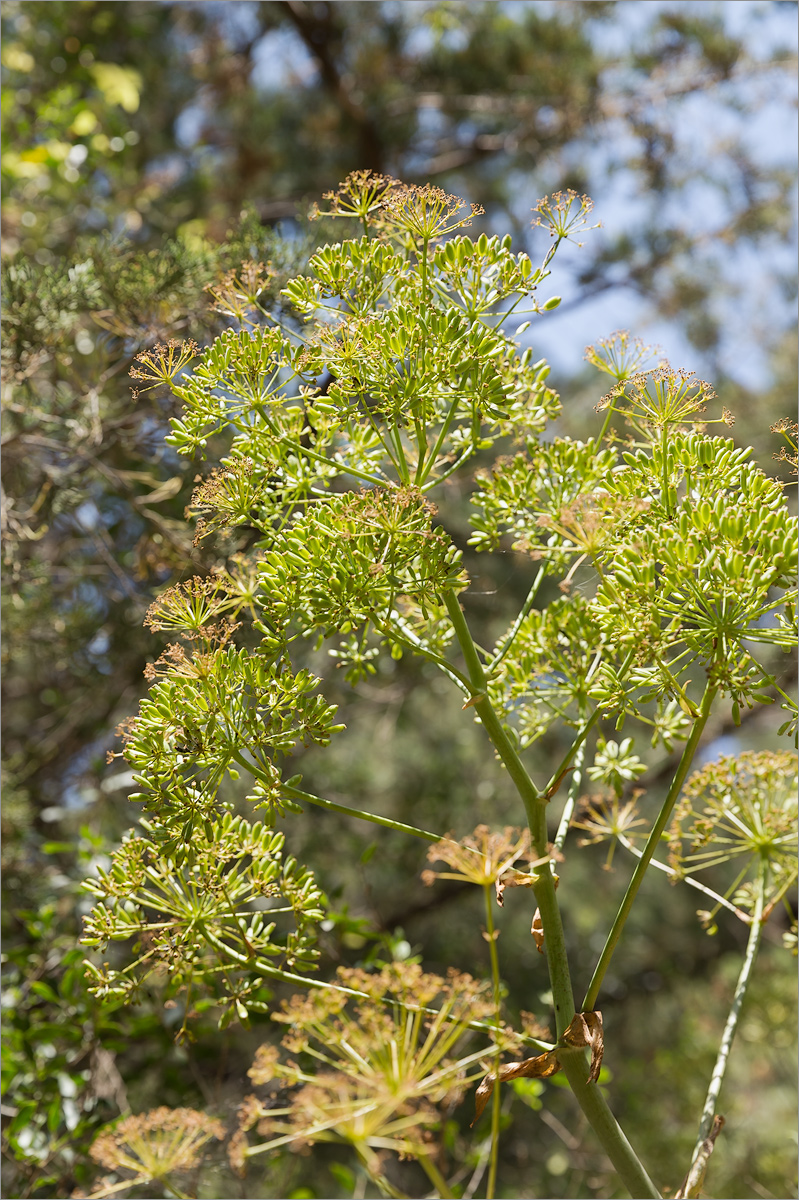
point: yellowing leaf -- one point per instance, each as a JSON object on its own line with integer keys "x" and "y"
{"x": 119, "y": 85}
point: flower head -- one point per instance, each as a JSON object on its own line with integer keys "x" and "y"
{"x": 604, "y": 818}
{"x": 619, "y": 355}
{"x": 383, "y": 1063}
{"x": 360, "y": 196}
{"x": 427, "y": 213}
{"x": 564, "y": 214}
{"x": 790, "y": 431}
{"x": 481, "y": 857}
{"x": 163, "y": 363}
{"x": 661, "y": 398}
{"x": 740, "y": 809}
{"x": 152, "y": 1145}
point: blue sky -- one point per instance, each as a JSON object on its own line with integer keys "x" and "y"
{"x": 760, "y": 116}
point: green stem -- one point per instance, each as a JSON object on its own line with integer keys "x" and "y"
{"x": 653, "y": 841}
{"x": 576, "y": 746}
{"x": 344, "y": 468}
{"x": 721, "y": 901}
{"x": 591, "y": 1100}
{"x": 269, "y": 971}
{"x": 436, "y": 1178}
{"x": 456, "y": 466}
{"x": 371, "y": 1164}
{"x": 400, "y": 633}
{"x": 306, "y": 797}
{"x": 555, "y": 950}
{"x": 517, "y": 624}
{"x": 491, "y": 934}
{"x": 387, "y": 823}
{"x": 600, "y": 436}
{"x": 527, "y": 790}
{"x": 574, "y": 791}
{"x": 588, "y": 1095}
{"x": 664, "y": 445}
{"x": 445, "y": 427}
{"x": 425, "y": 244}
{"x": 717, "y": 1078}
{"x": 176, "y": 1192}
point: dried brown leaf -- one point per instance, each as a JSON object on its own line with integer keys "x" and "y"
{"x": 513, "y": 878}
{"x": 540, "y": 1067}
{"x": 537, "y": 930}
{"x": 586, "y": 1030}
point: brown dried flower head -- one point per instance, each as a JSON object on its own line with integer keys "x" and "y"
{"x": 481, "y": 857}
{"x": 152, "y": 1145}
{"x": 384, "y": 1061}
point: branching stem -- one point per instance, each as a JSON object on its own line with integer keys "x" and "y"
{"x": 517, "y": 624}
{"x": 653, "y": 842}
{"x": 588, "y": 1095}
{"x": 294, "y": 793}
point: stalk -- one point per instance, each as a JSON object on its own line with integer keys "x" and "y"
{"x": 294, "y": 793}
{"x": 269, "y": 971}
{"x": 491, "y": 1186}
{"x": 588, "y": 1095}
{"x": 527, "y": 790}
{"x": 653, "y": 841}
{"x": 436, "y": 1178}
{"x": 387, "y": 823}
{"x": 721, "y": 901}
{"x": 717, "y": 1078}
{"x": 606, "y": 1127}
{"x": 574, "y": 791}
{"x": 600, "y": 436}
{"x": 517, "y": 624}
{"x": 371, "y": 1164}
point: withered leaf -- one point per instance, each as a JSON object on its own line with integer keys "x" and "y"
{"x": 586, "y": 1030}
{"x": 540, "y": 1067}
{"x": 511, "y": 878}
{"x": 537, "y": 930}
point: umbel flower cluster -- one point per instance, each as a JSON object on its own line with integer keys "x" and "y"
{"x": 668, "y": 559}
{"x": 380, "y": 1068}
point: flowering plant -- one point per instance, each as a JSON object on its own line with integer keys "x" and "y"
{"x": 673, "y": 562}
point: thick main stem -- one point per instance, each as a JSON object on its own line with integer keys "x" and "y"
{"x": 653, "y": 842}
{"x": 588, "y": 1095}
{"x": 607, "y": 1129}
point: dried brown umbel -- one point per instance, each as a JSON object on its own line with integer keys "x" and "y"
{"x": 150, "y": 1146}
